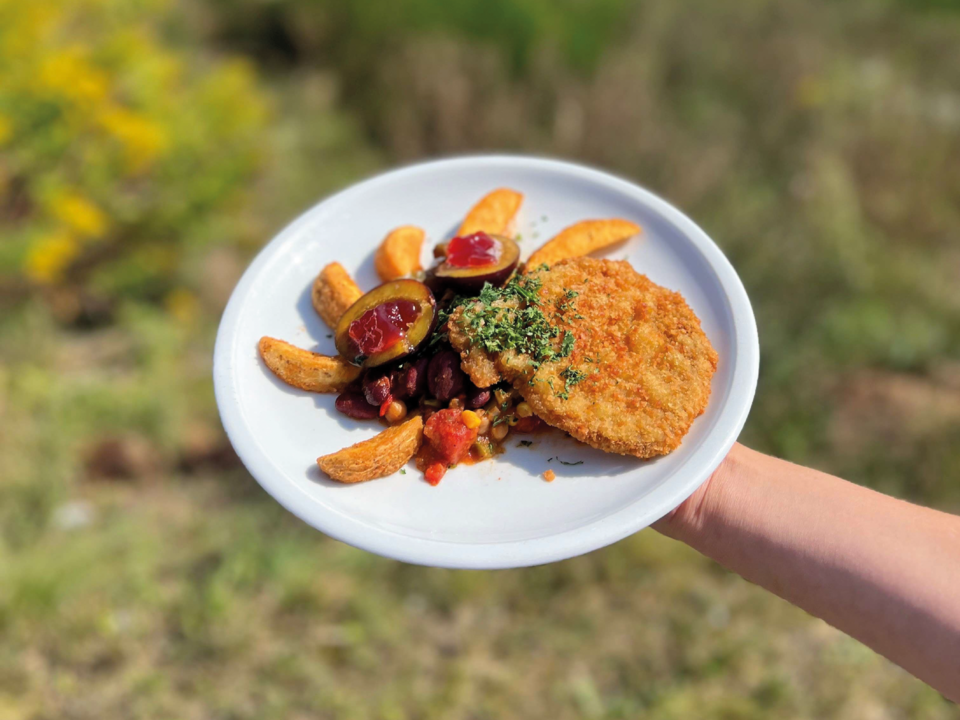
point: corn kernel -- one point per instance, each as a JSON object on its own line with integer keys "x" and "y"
{"x": 524, "y": 409}
{"x": 512, "y": 420}
{"x": 499, "y": 432}
{"x": 455, "y": 403}
{"x": 470, "y": 419}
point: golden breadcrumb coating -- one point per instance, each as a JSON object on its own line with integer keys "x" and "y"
{"x": 641, "y": 365}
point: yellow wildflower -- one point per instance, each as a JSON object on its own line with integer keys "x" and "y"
{"x": 80, "y": 214}
{"x": 142, "y": 139}
{"x": 69, "y": 73}
{"x": 50, "y": 255}
{"x": 27, "y": 26}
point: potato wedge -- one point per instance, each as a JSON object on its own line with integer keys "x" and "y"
{"x": 333, "y": 292}
{"x": 582, "y": 238}
{"x": 306, "y": 370}
{"x": 377, "y": 457}
{"x": 493, "y": 214}
{"x": 399, "y": 253}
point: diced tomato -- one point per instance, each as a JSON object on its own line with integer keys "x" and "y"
{"x": 435, "y": 472}
{"x": 529, "y": 424}
{"x": 474, "y": 250}
{"x": 449, "y": 438}
{"x": 382, "y": 327}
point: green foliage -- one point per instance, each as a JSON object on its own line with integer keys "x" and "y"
{"x": 355, "y": 34}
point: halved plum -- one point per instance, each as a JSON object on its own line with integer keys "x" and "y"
{"x": 388, "y": 323}
{"x": 472, "y": 260}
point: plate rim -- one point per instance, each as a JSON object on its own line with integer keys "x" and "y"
{"x": 513, "y": 553}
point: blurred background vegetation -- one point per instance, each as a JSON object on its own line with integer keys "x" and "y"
{"x": 148, "y": 148}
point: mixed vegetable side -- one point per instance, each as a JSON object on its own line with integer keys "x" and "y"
{"x": 397, "y": 334}
{"x": 395, "y": 362}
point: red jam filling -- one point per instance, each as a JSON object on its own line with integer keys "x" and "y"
{"x": 474, "y": 250}
{"x": 382, "y": 327}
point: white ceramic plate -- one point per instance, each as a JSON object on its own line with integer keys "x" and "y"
{"x": 499, "y": 513}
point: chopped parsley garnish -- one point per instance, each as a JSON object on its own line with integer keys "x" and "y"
{"x": 566, "y": 303}
{"x": 443, "y": 314}
{"x": 571, "y": 376}
{"x": 525, "y": 443}
{"x": 402, "y": 471}
{"x": 496, "y": 328}
{"x": 495, "y": 325}
{"x": 564, "y": 462}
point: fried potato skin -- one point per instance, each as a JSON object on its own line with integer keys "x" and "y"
{"x": 333, "y": 292}
{"x": 493, "y": 214}
{"x": 649, "y": 369}
{"x": 399, "y": 254}
{"x": 304, "y": 369}
{"x": 377, "y": 457}
{"x": 580, "y": 239}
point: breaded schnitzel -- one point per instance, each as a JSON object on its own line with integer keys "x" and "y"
{"x": 597, "y": 349}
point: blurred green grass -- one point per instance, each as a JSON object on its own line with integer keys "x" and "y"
{"x": 144, "y": 574}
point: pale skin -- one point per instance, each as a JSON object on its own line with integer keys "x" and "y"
{"x": 880, "y": 569}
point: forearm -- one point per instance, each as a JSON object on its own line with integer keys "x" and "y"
{"x": 882, "y": 570}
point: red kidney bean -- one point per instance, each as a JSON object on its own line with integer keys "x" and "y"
{"x": 414, "y": 379}
{"x": 376, "y": 388}
{"x": 355, "y": 405}
{"x": 477, "y": 397}
{"x": 397, "y": 390}
{"x": 444, "y": 376}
